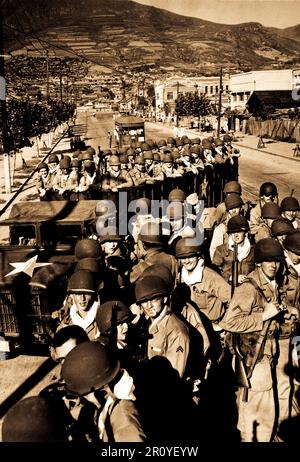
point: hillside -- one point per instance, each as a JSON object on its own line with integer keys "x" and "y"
{"x": 122, "y": 34}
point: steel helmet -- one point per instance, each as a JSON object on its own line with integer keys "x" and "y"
{"x": 227, "y": 138}
{"x": 114, "y": 160}
{"x": 159, "y": 270}
{"x": 196, "y": 149}
{"x": 123, "y": 159}
{"x": 151, "y": 233}
{"x": 112, "y": 311}
{"x": 281, "y": 226}
{"x": 88, "y": 264}
{"x": 161, "y": 143}
{"x": 268, "y": 189}
{"x": 149, "y": 287}
{"x": 75, "y": 163}
{"x": 177, "y": 195}
{"x": 289, "y": 204}
{"x": 86, "y": 248}
{"x": 292, "y": 242}
{"x": 148, "y": 155}
{"x": 143, "y": 205}
{"x": 196, "y": 141}
{"x": 233, "y": 187}
{"x": 183, "y": 249}
{"x": 88, "y": 367}
{"x": 150, "y": 143}
{"x": 219, "y": 142}
{"x": 268, "y": 249}
{"x": 91, "y": 150}
{"x": 53, "y": 158}
{"x": 140, "y": 160}
{"x": 65, "y": 162}
{"x": 35, "y": 419}
{"x": 237, "y": 224}
{"x": 43, "y": 165}
{"x": 82, "y": 282}
{"x": 87, "y": 155}
{"x": 233, "y": 201}
{"x": 145, "y": 146}
{"x": 270, "y": 210}
{"x": 206, "y": 143}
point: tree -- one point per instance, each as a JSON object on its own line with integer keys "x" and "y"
{"x": 193, "y": 104}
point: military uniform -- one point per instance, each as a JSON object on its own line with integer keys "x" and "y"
{"x": 263, "y": 231}
{"x": 170, "y": 339}
{"x": 244, "y": 315}
{"x": 223, "y": 259}
{"x": 152, "y": 257}
{"x": 111, "y": 180}
{"x": 255, "y": 219}
{"x": 138, "y": 177}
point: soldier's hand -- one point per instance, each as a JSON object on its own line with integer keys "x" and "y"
{"x": 270, "y": 311}
{"x": 241, "y": 278}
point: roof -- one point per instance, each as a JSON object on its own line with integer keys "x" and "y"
{"x": 129, "y": 121}
{"x": 63, "y": 212}
{"x": 276, "y": 98}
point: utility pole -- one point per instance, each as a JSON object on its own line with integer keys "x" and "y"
{"x": 60, "y": 83}
{"x": 5, "y": 141}
{"x": 177, "y": 115}
{"x": 47, "y": 70}
{"x": 220, "y": 102}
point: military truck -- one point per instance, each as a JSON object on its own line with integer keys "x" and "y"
{"x": 35, "y": 265}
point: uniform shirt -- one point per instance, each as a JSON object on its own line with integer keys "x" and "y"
{"x": 263, "y": 231}
{"x": 138, "y": 177}
{"x": 245, "y": 311}
{"x": 170, "y": 339}
{"x": 255, "y": 219}
{"x": 154, "y": 256}
{"x": 219, "y": 237}
{"x": 223, "y": 259}
{"x": 209, "y": 291}
{"x": 113, "y": 179}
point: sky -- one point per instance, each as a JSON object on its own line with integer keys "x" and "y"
{"x": 275, "y": 13}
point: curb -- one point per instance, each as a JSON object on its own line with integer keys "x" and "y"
{"x": 296, "y": 159}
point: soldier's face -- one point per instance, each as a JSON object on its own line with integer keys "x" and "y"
{"x": 152, "y": 308}
{"x": 83, "y": 301}
{"x": 169, "y": 164}
{"x": 52, "y": 165}
{"x": 44, "y": 172}
{"x": 239, "y": 237}
{"x": 270, "y": 268}
{"x": 190, "y": 263}
{"x": 234, "y": 212}
{"x": 109, "y": 247}
{"x": 268, "y": 199}
{"x": 176, "y": 224}
{"x": 115, "y": 168}
{"x": 289, "y": 214}
{"x": 148, "y": 161}
{"x": 140, "y": 167}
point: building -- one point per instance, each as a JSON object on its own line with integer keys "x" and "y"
{"x": 166, "y": 92}
{"x": 243, "y": 85}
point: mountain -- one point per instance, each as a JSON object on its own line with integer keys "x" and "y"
{"x": 290, "y": 32}
{"x": 125, "y": 34}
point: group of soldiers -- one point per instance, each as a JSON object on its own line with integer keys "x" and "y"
{"x": 140, "y": 163}
{"x": 171, "y": 334}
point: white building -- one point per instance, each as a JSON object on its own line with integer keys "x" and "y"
{"x": 243, "y": 85}
{"x": 166, "y": 92}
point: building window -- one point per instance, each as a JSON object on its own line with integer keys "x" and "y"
{"x": 227, "y": 88}
{"x": 217, "y": 88}
{"x": 211, "y": 89}
{"x": 157, "y": 96}
{"x": 234, "y": 97}
{"x": 206, "y": 89}
{"x": 170, "y": 95}
{"x": 241, "y": 96}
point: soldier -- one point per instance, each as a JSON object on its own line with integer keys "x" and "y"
{"x": 237, "y": 230}
{"x": 186, "y": 158}
{"x": 138, "y": 173}
{"x": 208, "y": 289}
{"x": 179, "y": 223}
{"x": 62, "y": 183}
{"x": 229, "y": 188}
{"x": 169, "y": 335}
{"x": 177, "y": 195}
{"x": 91, "y": 371}
{"x": 269, "y": 213}
{"x": 115, "y": 178}
{"x": 168, "y": 166}
{"x": 150, "y": 251}
{"x": 43, "y": 184}
{"x": 233, "y": 204}
{"x": 89, "y": 178}
{"x": 64, "y": 340}
{"x": 196, "y": 152}
{"x": 281, "y": 228}
{"x": 81, "y": 306}
{"x": 53, "y": 164}
{"x": 287, "y": 383}
{"x": 252, "y": 314}
{"x": 153, "y": 171}
{"x": 267, "y": 193}
{"x": 289, "y": 208}
{"x": 209, "y": 159}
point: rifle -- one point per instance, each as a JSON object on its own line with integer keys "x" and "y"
{"x": 113, "y": 334}
{"x": 235, "y": 269}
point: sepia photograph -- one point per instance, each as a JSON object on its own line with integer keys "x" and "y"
{"x": 149, "y": 225}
